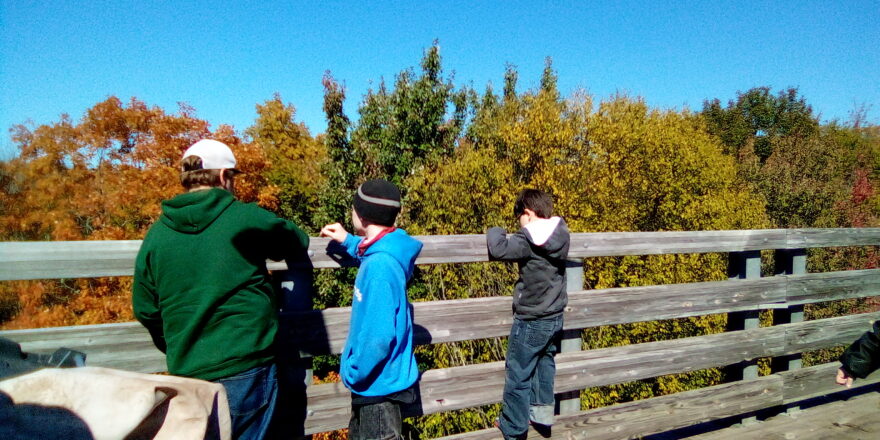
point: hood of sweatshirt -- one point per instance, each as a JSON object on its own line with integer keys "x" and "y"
{"x": 192, "y": 212}
{"x": 551, "y": 234}
{"x": 400, "y": 246}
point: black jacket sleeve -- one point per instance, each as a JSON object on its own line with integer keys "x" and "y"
{"x": 502, "y": 247}
{"x": 863, "y": 357}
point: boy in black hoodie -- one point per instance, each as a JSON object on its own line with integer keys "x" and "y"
{"x": 540, "y": 249}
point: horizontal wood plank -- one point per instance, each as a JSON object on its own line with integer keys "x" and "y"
{"x": 833, "y": 237}
{"x": 126, "y": 346}
{"x": 657, "y": 414}
{"x": 818, "y": 380}
{"x": 665, "y": 413}
{"x": 325, "y": 331}
{"x": 822, "y": 333}
{"x": 612, "y": 244}
{"x": 832, "y": 286}
{"x": 32, "y": 260}
{"x": 88, "y": 259}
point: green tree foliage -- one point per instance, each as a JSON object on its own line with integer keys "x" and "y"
{"x": 804, "y": 171}
{"x": 295, "y": 160}
{"x": 757, "y": 119}
{"x": 342, "y": 170}
{"x": 622, "y": 167}
{"x": 399, "y": 131}
{"x": 345, "y": 162}
{"x": 402, "y": 129}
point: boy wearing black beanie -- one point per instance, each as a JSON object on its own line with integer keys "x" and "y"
{"x": 377, "y": 363}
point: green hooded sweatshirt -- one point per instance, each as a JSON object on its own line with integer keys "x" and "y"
{"x": 201, "y": 286}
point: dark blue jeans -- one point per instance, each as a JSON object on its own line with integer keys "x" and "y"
{"x": 379, "y": 417}
{"x": 375, "y": 421}
{"x": 528, "y": 389}
{"x": 252, "y": 395}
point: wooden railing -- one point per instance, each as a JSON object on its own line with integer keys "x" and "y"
{"x": 128, "y": 346}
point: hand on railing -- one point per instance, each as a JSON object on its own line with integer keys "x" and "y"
{"x": 335, "y": 231}
{"x": 843, "y": 378}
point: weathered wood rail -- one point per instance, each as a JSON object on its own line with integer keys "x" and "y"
{"x": 128, "y": 346}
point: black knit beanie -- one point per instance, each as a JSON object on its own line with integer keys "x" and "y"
{"x": 377, "y": 201}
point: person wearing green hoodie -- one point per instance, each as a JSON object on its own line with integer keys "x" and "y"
{"x": 202, "y": 290}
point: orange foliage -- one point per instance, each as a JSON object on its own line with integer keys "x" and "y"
{"x": 69, "y": 302}
{"x": 332, "y": 377}
{"x": 339, "y": 434}
{"x": 100, "y": 179}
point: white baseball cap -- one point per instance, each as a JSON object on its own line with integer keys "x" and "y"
{"x": 215, "y": 155}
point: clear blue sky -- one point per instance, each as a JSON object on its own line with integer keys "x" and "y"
{"x": 223, "y": 58}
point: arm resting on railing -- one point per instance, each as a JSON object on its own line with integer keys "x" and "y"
{"x": 145, "y": 302}
{"x": 863, "y": 357}
{"x": 502, "y": 247}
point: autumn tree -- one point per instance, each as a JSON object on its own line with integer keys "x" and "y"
{"x": 810, "y": 176}
{"x": 101, "y": 178}
{"x": 294, "y": 158}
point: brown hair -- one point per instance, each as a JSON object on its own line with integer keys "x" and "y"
{"x": 193, "y": 176}
{"x": 534, "y": 199}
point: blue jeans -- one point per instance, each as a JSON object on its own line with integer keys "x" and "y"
{"x": 528, "y": 389}
{"x": 252, "y": 395}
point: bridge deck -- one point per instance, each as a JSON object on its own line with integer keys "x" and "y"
{"x": 857, "y": 417}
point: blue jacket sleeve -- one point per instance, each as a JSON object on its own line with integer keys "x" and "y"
{"x": 374, "y": 315}
{"x": 351, "y": 244}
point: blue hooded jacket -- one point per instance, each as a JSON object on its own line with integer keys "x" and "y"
{"x": 378, "y": 356}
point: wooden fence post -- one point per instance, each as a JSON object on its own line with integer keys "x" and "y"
{"x": 744, "y": 265}
{"x": 570, "y": 402}
{"x": 789, "y": 262}
{"x": 294, "y": 368}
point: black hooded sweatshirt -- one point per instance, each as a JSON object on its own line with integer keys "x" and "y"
{"x": 540, "y": 249}
{"x": 863, "y": 357}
